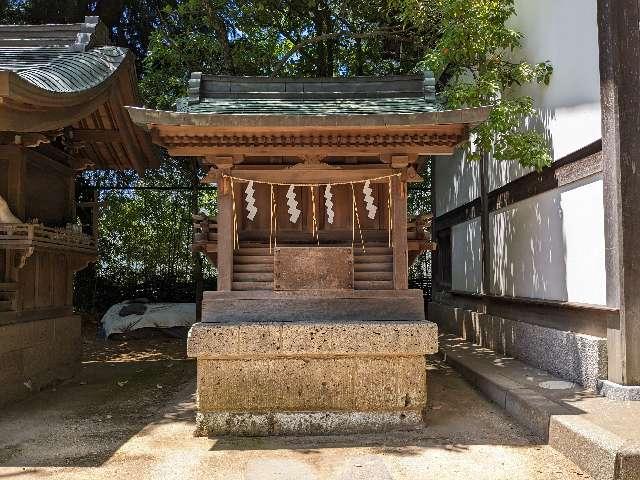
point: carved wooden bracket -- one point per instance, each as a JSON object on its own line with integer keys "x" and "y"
{"x": 22, "y": 256}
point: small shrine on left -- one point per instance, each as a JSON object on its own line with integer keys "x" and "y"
{"x": 63, "y": 89}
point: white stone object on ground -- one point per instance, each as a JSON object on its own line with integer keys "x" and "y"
{"x": 157, "y": 315}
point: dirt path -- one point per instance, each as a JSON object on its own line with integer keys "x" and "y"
{"x": 130, "y": 415}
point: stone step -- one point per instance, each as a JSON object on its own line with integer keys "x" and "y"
{"x": 589, "y": 430}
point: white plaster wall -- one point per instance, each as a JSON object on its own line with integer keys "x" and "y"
{"x": 457, "y": 182}
{"x": 565, "y": 32}
{"x": 466, "y": 257}
{"x": 551, "y": 246}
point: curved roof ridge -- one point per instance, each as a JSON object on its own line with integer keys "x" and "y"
{"x": 25, "y": 46}
{"x": 75, "y": 72}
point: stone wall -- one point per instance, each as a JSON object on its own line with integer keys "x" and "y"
{"x": 36, "y": 354}
{"x": 575, "y": 357}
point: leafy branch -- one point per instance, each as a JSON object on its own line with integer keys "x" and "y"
{"x": 474, "y": 60}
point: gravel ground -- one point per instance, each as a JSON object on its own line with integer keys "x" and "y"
{"x": 129, "y": 414}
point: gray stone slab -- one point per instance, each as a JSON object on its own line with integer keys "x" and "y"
{"x": 593, "y": 432}
{"x": 302, "y": 423}
{"x": 233, "y": 340}
{"x": 615, "y": 391}
{"x": 575, "y": 357}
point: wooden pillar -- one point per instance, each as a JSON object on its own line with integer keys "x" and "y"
{"x": 225, "y": 235}
{"x": 484, "y": 224}
{"x": 619, "y": 38}
{"x": 400, "y": 251}
{"x": 16, "y": 197}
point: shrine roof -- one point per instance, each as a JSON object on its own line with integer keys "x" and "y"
{"x": 310, "y": 96}
{"x": 61, "y": 76}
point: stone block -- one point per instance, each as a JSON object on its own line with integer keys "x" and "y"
{"x": 312, "y": 384}
{"x": 302, "y": 423}
{"x": 281, "y": 362}
{"x": 223, "y": 340}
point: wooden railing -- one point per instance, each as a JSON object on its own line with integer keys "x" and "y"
{"x": 34, "y": 234}
{"x": 419, "y": 227}
{"x": 205, "y": 229}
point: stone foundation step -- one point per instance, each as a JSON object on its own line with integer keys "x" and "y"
{"x": 598, "y": 435}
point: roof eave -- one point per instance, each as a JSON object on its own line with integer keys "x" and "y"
{"x": 147, "y": 118}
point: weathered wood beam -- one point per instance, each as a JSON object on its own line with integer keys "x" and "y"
{"x": 225, "y": 237}
{"x": 311, "y": 175}
{"x": 185, "y": 150}
{"x": 400, "y": 246}
{"x": 619, "y": 38}
{"x": 97, "y": 135}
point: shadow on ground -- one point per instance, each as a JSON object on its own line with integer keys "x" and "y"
{"x": 122, "y": 387}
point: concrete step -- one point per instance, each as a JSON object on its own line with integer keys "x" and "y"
{"x": 591, "y": 431}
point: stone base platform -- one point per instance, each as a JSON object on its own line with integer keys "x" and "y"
{"x": 302, "y": 423}
{"x": 301, "y": 378}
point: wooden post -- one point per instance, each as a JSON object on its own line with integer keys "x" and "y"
{"x": 225, "y": 235}
{"x": 400, "y": 253}
{"x": 484, "y": 224}
{"x": 619, "y": 38}
{"x": 16, "y": 184}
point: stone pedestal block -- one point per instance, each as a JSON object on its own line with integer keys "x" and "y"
{"x": 300, "y": 378}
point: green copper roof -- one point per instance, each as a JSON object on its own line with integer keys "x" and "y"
{"x": 60, "y": 58}
{"x": 74, "y": 72}
{"x": 310, "y": 96}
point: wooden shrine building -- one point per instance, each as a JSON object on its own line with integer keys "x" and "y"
{"x": 62, "y": 94}
{"x": 313, "y": 328}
